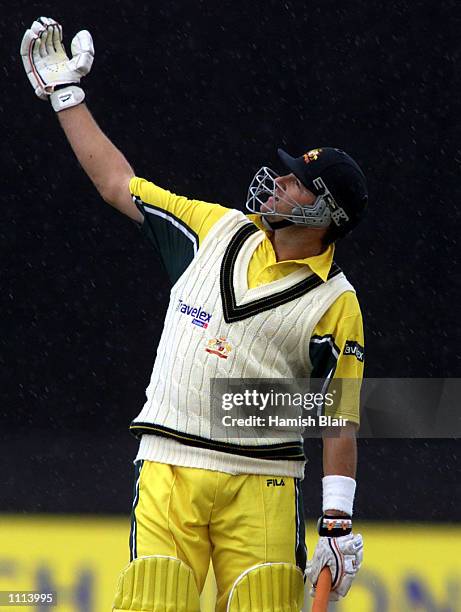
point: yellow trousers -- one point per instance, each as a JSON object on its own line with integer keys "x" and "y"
{"x": 237, "y": 521}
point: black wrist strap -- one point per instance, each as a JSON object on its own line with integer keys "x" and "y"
{"x": 334, "y": 526}
{"x": 64, "y": 85}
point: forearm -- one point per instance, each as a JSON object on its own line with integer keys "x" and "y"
{"x": 104, "y": 164}
{"x": 340, "y": 454}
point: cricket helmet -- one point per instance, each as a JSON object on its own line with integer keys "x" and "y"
{"x": 331, "y": 175}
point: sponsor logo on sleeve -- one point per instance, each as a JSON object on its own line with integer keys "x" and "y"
{"x": 199, "y": 317}
{"x": 355, "y": 349}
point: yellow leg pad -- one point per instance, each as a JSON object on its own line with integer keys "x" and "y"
{"x": 269, "y": 587}
{"x": 157, "y": 584}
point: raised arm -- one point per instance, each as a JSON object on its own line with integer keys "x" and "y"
{"x": 56, "y": 78}
{"x": 105, "y": 165}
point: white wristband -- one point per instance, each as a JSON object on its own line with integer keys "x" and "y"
{"x": 67, "y": 97}
{"x": 338, "y": 493}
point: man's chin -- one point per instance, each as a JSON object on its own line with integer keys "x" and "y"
{"x": 268, "y": 205}
{"x": 274, "y": 218}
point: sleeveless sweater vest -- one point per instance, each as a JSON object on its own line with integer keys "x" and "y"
{"x": 216, "y": 327}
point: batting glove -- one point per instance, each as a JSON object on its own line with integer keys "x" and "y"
{"x": 343, "y": 555}
{"x": 48, "y": 66}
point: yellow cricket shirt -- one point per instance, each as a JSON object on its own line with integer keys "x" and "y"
{"x": 176, "y": 226}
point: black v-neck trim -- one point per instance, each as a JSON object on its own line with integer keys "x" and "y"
{"x": 231, "y": 310}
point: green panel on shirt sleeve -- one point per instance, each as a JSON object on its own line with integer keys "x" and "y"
{"x": 175, "y": 242}
{"x": 323, "y": 354}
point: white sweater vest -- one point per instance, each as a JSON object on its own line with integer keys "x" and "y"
{"x": 216, "y": 327}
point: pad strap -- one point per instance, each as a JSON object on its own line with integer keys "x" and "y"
{"x": 66, "y": 97}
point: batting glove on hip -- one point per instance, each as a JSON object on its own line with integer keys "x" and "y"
{"x": 48, "y": 66}
{"x": 343, "y": 556}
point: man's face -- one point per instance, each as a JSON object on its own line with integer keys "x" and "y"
{"x": 289, "y": 192}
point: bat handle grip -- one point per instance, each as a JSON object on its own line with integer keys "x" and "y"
{"x": 322, "y": 591}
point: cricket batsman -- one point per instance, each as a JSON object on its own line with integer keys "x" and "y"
{"x": 253, "y": 296}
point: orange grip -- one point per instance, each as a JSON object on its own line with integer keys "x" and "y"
{"x": 322, "y": 591}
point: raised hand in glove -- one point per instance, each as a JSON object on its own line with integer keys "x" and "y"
{"x": 343, "y": 555}
{"x": 48, "y": 66}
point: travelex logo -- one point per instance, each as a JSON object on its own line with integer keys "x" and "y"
{"x": 199, "y": 317}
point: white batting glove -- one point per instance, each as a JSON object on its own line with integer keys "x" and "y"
{"x": 48, "y": 66}
{"x": 343, "y": 556}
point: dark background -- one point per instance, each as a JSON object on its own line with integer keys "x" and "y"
{"x": 198, "y": 95}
